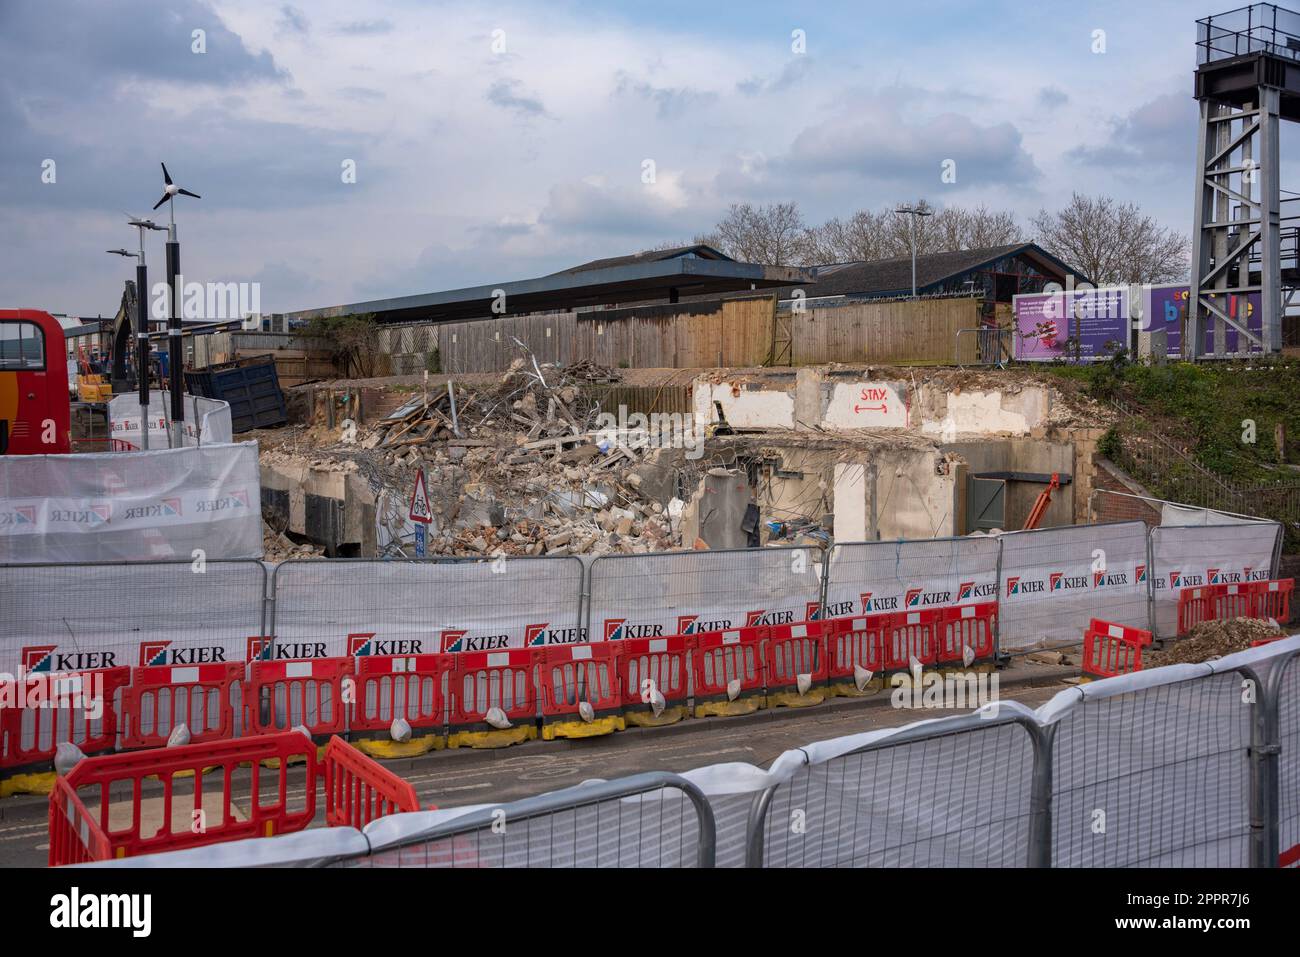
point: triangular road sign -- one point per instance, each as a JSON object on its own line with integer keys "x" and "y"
{"x": 420, "y": 511}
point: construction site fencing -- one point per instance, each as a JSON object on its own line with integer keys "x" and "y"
{"x": 362, "y": 607}
{"x": 1188, "y": 556}
{"x": 160, "y": 505}
{"x": 1054, "y": 580}
{"x": 629, "y": 822}
{"x": 958, "y": 792}
{"x": 60, "y": 618}
{"x": 1127, "y": 751}
{"x": 868, "y": 578}
{"x": 671, "y": 593}
{"x": 1191, "y": 765}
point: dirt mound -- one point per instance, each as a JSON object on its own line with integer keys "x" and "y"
{"x": 1215, "y": 639}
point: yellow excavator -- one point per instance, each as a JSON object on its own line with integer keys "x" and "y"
{"x": 91, "y": 385}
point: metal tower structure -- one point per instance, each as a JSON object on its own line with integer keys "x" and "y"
{"x": 1244, "y": 257}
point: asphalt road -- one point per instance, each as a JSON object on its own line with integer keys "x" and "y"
{"x": 452, "y": 778}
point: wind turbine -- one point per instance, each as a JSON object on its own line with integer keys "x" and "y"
{"x": 171, "y": 190}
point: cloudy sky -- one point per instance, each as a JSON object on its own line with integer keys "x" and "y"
{"x": 496, "y": 140}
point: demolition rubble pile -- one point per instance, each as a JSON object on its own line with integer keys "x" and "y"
{"x": 1215, "y": 639}
{"x": 516, "y": 469}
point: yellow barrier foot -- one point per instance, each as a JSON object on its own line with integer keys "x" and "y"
{"x": 492, "y": 739}
{"x": 647, "y": 719}
{"x": 380, "y": 748}
{"x": 793, "y": 699}
{"x": 39, "y": 782}
{"x": 582, "y": 729}
{"x": 724, "y": 709}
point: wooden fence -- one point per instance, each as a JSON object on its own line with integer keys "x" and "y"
{"x": 697, "y": 335}
{"x": 923, "y": 331}
{"x": 679, "y": 336}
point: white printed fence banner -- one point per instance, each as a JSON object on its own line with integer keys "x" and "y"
{"x": 880, "y": 577}
{"x": 1054, "y": 580}
{"x": 163, "y": 505}
{"x": 1187, "y": 556}
{"x": 646, "y": 596}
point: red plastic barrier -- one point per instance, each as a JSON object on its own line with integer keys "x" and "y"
{"x": 654, "y": 663}
{"x": 162, "y": 696}
{"x": 493, "y": 679}
{"x": 159, "y": 810}
{"x": 720, "y": 657}
{"x": 1196, "y": 605}
{"x": 1272, "y": 599}
{"x": 40, "y": 711}
{"x": 968, "y": 626}
{"x": 572, "y": 674}
{"x": 856, "y": 642}
{"x": 912, "y": 634}
{"x": 1110, "y": 649}
{"x": 285, "y": 694}
{"x": 412, "y": 687}
{"x": 793, "y": 650}
{"x": 1234, "y": 601}
{"x": 359, "y": 789}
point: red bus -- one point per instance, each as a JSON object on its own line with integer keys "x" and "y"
{"x": 35, "y": 416}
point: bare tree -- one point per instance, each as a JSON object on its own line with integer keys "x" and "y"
{"x": 1113, "y": 243}
{"x": 860, "y": 237}
{"x": 772, "y": 235}
{"x": 775, "y": 234}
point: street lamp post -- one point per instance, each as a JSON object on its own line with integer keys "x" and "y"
{"x": 141, "y": 323}
{"x": 913, "y": 212}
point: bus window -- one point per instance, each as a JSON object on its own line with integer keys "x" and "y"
{"x": 22, "y": 347}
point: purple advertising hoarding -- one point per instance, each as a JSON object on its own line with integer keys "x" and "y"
{"x": 1047, "y": 323}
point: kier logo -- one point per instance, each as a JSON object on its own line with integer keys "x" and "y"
{"x": 544, "y": 634}
{"x": 162, "y": 653}
{"x": 47, "y": 659}
{"x": 262, "y": 648}
{"x": 616, "y": 629}
{"x": 1013, "y": 584}
{"x": 1140, "y": 573}
{"x": 692, "y": 625}
{"x": 812, "y": 611}
{"x": 363, "y": 645}
{"x": 968, "y": 591}
{"x": 754, "y": 619}
{"x": 459, "y": 639}
{"x": 870, "y": 604}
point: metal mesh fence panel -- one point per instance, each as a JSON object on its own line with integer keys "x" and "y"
{"x": 1054, "y": 580}
{"x": 871, "y": 577}
{"x": 646, "y": 820}
{"x": 419, "y": 607}
{"x": 1156, "y": 777}
{"x": 70, "y": 617}
{"x": 1288, "y": 767}
{"x": 637, "y": 596}
{"x": 1186, "y": 556}
{"x": 955, "y": 799}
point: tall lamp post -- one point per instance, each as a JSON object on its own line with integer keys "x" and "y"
{"x": 913, "y": 212}
{"x": 141, "y": 324}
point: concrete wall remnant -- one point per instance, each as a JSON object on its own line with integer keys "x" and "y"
{"x": 977, "y": 412}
